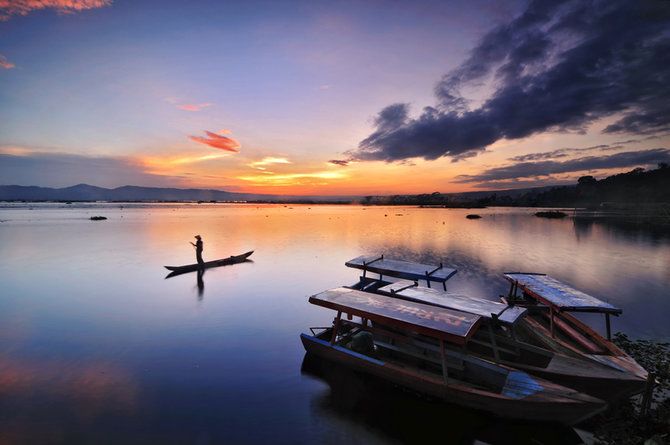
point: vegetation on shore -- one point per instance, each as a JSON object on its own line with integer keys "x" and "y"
{"x": 638, "y": 188}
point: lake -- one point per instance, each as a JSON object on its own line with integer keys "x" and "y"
{"x": 96, "y": 346}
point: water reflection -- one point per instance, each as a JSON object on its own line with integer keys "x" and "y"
{"x": 82, "y": 394}
{"x": 199, "y": 280}
{"x": 360, "y": 398}
{"x": 200, "y": 283}
{"x": 76, "y": 293}
{"x": 624, "y": 229}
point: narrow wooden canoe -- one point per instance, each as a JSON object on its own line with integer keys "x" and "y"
{"x": 176, "y": 270}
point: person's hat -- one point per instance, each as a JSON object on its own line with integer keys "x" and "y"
{"x": 197, "y": 236}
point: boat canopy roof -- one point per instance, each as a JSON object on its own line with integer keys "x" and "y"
{"x": 402, "y": 269}
{"x": 446, "y": 324}
{"x": 560, "y": 295}
{"x": 408, "y": 290}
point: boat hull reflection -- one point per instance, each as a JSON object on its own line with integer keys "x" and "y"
{"x": 408, "y": 417}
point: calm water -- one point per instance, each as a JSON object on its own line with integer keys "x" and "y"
{"x": 97, "y": 347}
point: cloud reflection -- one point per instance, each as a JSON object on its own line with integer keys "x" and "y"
{"x": 92, "y": 388}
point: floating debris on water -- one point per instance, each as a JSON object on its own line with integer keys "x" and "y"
{"x": 98, "y": 218}
{"x": 473, "y": 216}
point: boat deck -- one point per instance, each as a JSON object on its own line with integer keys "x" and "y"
{"x": 559, "y": 295}
{"x": 408, "y": 290}
{"x": 402, "y": 269}
{"x": 454, "y": 326}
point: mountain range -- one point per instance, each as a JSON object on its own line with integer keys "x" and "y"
{"x": 85, "y": 192}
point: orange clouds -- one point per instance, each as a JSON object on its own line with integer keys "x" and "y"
{"x": 294, "y": 179}
{"x": 217, "y": 141}
{"x": 194, "y": 107}
{"x": 4, "y": 63}
{"x": 168, "y": 166}
{"x": 9, "y": 8}
{"x": 268, "y": 160}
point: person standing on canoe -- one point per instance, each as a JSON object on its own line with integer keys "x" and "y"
{"x": 198, "y": 249}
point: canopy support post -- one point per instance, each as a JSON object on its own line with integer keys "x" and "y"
{"x": 336, "y": 327}
{"x": 551, "y": 321}
{"x": 607, "y": 324}
{"x": 494, "y": 345}
{"x": 648, "y": 393}
{"x": 445, "y": 370}
{"x": 517, "y": 348}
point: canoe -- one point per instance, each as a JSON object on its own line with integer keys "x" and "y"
{"x": 176, "y": 270}
{"x": 420, "y": 347}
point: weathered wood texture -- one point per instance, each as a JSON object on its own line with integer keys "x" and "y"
{"x": 402, "y": 269}
{"x": 560, "y": 295}
{"x": 451, "y": 300}
{"x": 446, "y": 324}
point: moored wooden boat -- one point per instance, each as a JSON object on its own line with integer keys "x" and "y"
{"x": 507, "y": 335}
{"x": 549, "y": 303}
{"x": 421, "y": 347}
{"x": 177, "y": 270}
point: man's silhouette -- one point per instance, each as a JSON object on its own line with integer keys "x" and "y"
{"x": 198, "y": 249}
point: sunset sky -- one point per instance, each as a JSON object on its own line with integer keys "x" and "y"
{"x": 331, "y": 98}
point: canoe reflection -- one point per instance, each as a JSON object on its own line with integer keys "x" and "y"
{"x": 406, "y": 417}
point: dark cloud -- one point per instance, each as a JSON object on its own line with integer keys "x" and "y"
{"x": 518, "y": 183}
{"x": 558, "y": 66}
{"x": 465, "y": 155}
{"x": 547, "y": 168}
{"x": 562, "y": 153}
{"x": 340, "y": 162}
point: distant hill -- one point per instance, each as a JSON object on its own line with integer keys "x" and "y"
{"x": 85, "y": 192}
{"x": 635, "y": 187}
{"x": 462, "y": 199}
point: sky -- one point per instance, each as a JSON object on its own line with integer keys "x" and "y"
{"x": 331, "y": 98}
